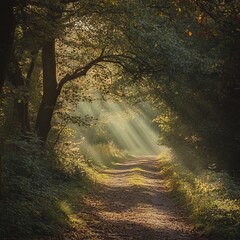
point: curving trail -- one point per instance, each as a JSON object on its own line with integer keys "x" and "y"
{"x": 133, "y": 204}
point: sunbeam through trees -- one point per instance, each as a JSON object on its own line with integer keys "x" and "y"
{"x": 93, "y": 93}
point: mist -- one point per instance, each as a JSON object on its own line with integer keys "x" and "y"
{"x": 129, "y": 127}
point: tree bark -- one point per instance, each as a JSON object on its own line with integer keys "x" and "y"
{"x": 20, "y": 109}
{"x": 50, "y": 91}
{"x": 7, "y": 29}
{"x": 1, "y": 172}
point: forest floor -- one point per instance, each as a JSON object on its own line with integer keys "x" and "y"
{"x": 133, "y": 203}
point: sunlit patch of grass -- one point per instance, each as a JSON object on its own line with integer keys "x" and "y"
{"x": 84, "y": 162}
{"x": 212, "y": 198}
{"x": 64, "y": 206}
{"x": 72, "y": 211}
{"x": 137, "y": 169}
{"x": 94, "y": 175}
{"x": 136, "y": 179}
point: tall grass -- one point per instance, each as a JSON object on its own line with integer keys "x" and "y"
{"x": 103, "y": 155}
{"x": 212, "y": 199}
{"x": 44, "y": 188}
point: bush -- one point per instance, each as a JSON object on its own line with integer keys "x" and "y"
{"x": 212, "y": 199}
{"x": 32, "y": 192}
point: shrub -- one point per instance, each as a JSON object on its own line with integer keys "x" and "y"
{"x": 212, "y": 199}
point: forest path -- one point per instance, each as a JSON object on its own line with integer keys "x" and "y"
{"x": 133, "y": 204}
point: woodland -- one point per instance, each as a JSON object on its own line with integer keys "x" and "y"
{"x": 86, "y": 83}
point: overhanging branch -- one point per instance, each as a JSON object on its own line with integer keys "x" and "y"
{"x": 82, "y": 71}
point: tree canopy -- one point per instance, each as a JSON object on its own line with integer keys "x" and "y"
{"x": 182, "y": 56}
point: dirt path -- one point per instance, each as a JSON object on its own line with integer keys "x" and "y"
{"x": 134, "y": 204}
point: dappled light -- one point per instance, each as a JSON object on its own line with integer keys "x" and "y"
{"x": 119, "y": 120}
{"x": 144, "y": 211}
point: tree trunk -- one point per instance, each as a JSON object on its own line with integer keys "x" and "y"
{"x": 50, "y": 91}
{"x": 7, "y": 29}
{"x": 20, "y": 109}
{"x": 1, "y": 173}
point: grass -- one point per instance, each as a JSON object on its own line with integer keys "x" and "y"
{"x": 136, "y": 179}
{"x": 103, "y": 155}
{"x": 212, "y": 199}
{"x": 44, "y": 190}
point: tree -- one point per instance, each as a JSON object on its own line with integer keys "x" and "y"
{"x": 7, "y": 29}
{"x": 169, "y": 52}
{"x": 52, "y": 87}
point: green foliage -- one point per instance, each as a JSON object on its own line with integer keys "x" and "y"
{"x": 103, "y": 154}
{"x": 181, "y": 56}
{"x": 31, "y": 205}
{"x": 187, "y": 68}
{"x": 211, "y": 198}
{"x": 43, "y": 187}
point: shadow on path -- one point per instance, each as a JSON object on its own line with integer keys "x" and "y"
{"x": 133, "y": 204}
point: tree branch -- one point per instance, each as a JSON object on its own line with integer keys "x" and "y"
{"x": 82, "y": 71}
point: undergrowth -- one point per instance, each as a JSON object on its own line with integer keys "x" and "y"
{"x": 43, "y": 187}
{"x": 103, "y": 155}
{"x": 212, "y": 199}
